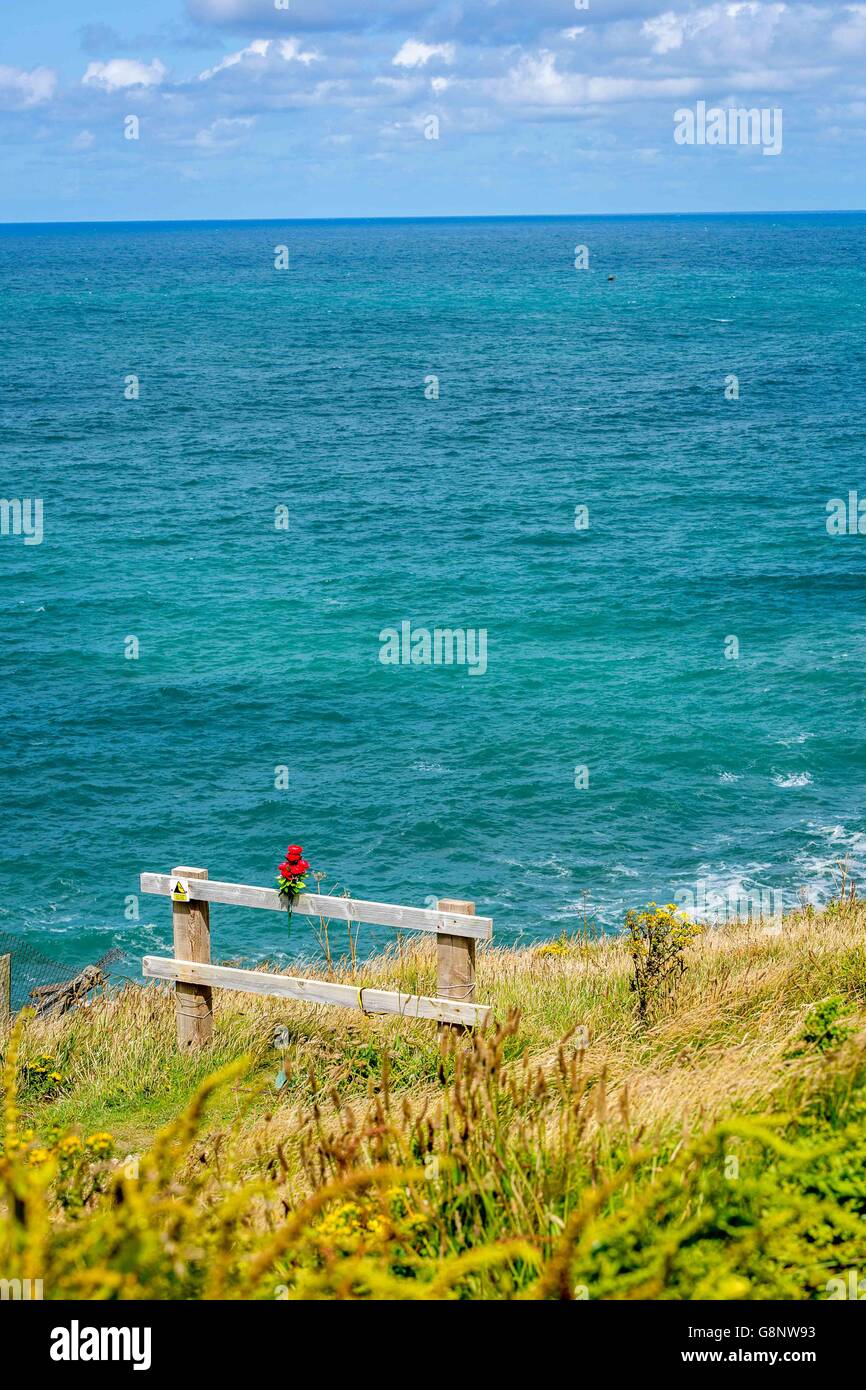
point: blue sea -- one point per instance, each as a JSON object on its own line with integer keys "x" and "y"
{"x": 399, "y": 427}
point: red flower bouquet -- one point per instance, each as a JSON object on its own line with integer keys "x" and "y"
{"x": 291, "y": 876}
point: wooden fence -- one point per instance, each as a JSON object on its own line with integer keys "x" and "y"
{"x": 455, "y": 924}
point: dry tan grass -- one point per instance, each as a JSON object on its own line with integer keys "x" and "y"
{"x": 571, "y": 1114}
{"x": 721, "y": 1045}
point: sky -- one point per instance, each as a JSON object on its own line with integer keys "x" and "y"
{"x": 118, "y": 110}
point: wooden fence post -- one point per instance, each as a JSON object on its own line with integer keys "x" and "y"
{"x": 5, "y": 991}
{"x": 193, "y": 1003}
{"x": 455, "y": 963}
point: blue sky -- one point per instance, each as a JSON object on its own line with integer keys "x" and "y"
{"x": 322, "y": 108}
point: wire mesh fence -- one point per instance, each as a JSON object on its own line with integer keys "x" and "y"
{"x": 34, "y": 974}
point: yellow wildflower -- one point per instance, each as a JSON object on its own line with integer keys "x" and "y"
{"x": 101, "y": 1142}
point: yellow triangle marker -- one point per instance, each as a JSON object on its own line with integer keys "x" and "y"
{"x": 180, "y": 890}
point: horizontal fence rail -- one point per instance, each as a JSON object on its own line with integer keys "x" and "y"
{"x": 453, "y": 922}
{"x": 369, "y": 1001}
{"x": 211, "y": 890}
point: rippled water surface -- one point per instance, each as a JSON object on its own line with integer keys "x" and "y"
{"x": 259, "y": 647}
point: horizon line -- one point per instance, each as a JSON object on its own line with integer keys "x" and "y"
{"x": 432, "y": 217}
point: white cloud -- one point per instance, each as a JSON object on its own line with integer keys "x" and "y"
{"x": 666, "y": 31}
{"x": 83, "y": 140}
{"x": 288, "y": 49}
{"x": 717, "y": 32}
{"x": 536, "y": 81}
{"x": 223, "y": 133}
{"x": 19, "y": 88}
{"x": 125, "y": 72}
{"x": 257, "y": 49}
{"x": 291, "y": 49}
{"x": 415, "y": 54}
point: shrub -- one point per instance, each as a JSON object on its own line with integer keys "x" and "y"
{"x": 512, "y": 1183}
{"x": 823, "y": 1031}
{"x": 657, "y": 942}
{"x": 42, "y": 1076}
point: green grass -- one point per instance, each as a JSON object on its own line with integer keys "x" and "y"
{"x": 717, "y": 1150}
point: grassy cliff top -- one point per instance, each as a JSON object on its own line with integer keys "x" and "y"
{"x": 716, "y": 1149}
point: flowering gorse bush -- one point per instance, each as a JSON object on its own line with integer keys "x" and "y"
{"x": 43, "y": 1076}
{"x": 657, "y": 940}
{"x": 73, "y": 1169}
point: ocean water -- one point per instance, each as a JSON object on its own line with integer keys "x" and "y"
{"x": 259, "y": 647}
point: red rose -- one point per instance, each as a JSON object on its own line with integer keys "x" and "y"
{"x": 294, "y": 852}
{"x": 301, "y": 867}
{"x": 286, "y": 870}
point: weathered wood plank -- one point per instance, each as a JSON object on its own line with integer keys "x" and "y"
{"x": 369, "y": 1001}
{"x": 455, "y": 960}
{"x": 319, "y": 905}
{"x": 193, "y": 1002}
